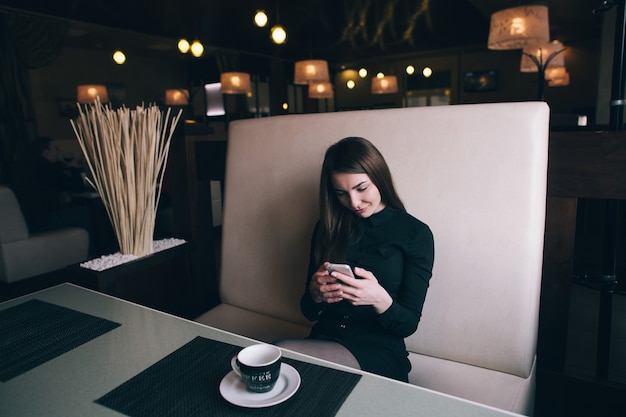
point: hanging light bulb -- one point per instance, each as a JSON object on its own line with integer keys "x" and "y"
{"x": 197, "y": 49}
{"x": 278, "y": 34}
{"x": 363, "y": 72}
{"x": 119, "y": 57}
{"x": 260, "y": 18}
{"x": 183, "y": 45}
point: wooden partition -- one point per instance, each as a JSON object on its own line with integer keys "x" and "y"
{"x": 190, "y": 176}
{"x": 582, "y": 165}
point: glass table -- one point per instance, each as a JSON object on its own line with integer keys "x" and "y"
{"x": 130, "y": 345}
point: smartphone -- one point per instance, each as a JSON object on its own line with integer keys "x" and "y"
{"x": 342, "y": 268}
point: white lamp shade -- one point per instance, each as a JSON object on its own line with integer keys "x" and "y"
{"x": 311, "y": 70}
{"x": 385, "y": 85}
{"x": 320, "y": 89}
{"x": 542, "y": 52}
{"x": 177, "y": 97}
{"x": 557, "y": 77}
{"x": 235, "y": 83}
{"x": 86, "y": 94}
{"x": 518, "y": 26}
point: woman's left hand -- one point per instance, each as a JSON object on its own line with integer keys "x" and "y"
{"x": 365, "y": 291}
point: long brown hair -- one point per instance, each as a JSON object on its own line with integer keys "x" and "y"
{"x": 352, "y": 155}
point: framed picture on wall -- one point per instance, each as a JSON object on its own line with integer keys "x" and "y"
{"x": 475, "y": 81}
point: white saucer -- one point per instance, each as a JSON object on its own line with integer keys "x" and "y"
{"x": 235, "y": 392}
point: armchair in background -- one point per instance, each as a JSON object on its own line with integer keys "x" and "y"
{"x": 24, "y": 255}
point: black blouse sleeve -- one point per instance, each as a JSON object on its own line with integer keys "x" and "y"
{"x": 404, "y": 314}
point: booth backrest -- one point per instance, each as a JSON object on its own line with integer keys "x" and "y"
{"x": 476, "y": 174}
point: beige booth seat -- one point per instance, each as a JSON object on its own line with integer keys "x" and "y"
{"x": 24, "y": 255}
{"x": 476, "y": 174}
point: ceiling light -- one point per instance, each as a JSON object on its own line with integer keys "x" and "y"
{"x": 320, "y": 89}
{"x": 197, "y": 49}
{"x": 183, "y": 46}
{"x": 517, "y": 27}
{"x": 278, "y": 34}
{"x": 350, "y": 84}
{"x": 87, "y": 94}
{"x": 119, "y": 57}
{"x": 177, "y": 97}
{"x": 260, "y": 18}
{"x": 362, "y": 73}
{"x": 427, "y": 72}
{"x": 386, "y": 84}
{"x": 410, "y": 69}
{"x": 310, "y": 70}
{"x": 235, "y": 83}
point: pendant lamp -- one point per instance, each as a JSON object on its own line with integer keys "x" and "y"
{"x": 311, "y": 70}
{"x": 320, "y": 89}
{"x": 387, "y": 84}
{"x": 177, "y": 97}
{"x": 235, "y": 83}
{"x": 87, "y": 93}
{"x": 517, "y": 27}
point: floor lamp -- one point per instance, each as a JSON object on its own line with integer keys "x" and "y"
{"x": 540, "y": 57}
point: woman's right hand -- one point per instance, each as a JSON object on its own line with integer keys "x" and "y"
{"x": 324, "y": 288}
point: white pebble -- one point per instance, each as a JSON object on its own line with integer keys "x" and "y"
{"x": 109, "y": 261}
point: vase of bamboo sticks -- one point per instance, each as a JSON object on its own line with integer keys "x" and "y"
{"x": 126, "y": 152}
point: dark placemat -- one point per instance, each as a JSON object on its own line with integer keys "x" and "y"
{"x": 186, "y": 383}
{"x": 35, "y": 332}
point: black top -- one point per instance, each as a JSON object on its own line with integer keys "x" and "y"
{"x": 399, "y": 250}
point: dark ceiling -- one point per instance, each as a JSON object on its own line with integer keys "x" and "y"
{"x": 337, "y": 30}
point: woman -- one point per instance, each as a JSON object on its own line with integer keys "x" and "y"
{"x": 362, "y": 321}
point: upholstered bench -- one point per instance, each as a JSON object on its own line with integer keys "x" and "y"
{"x": 476, "y": 174}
